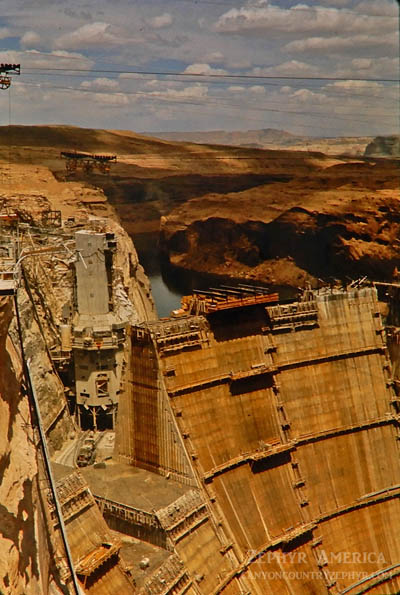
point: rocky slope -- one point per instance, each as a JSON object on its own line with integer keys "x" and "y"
{"x": 271, "y": 138}
{"x": 24, "y": 555}
{"x": 287, "y": 216}
{"x": 343, "y": 220}
{"x": 242, "y": 138}
{"x": 151, "y": 176}
{"x": 384, "y": 146}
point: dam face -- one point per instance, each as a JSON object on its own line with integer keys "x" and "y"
{"x": 284, "y": 419}
{"x": 256, "y": 441}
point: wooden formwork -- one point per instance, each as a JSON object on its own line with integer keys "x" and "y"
{"x": 94, "y": 550}
{"x": 289, "y": 419}
{"x": 286, "y": 419}
{"x": 148, "y": 436}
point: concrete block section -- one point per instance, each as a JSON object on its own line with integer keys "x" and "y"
{"x": 91, "y": 273}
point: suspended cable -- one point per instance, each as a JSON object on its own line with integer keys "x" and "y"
{"x": 202, "y": 75}
{"x": 226, "y": 82}
{"x": 208, "y": 101}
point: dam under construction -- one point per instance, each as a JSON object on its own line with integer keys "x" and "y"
{"x": 242, "y": 445}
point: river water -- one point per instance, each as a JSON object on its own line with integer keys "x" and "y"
{"x": 169, "y": 285}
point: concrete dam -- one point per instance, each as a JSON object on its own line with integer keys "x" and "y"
{"x": 285, "y": 419}
{"x": 243, "y": 445}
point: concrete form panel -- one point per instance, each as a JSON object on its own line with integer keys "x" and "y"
{"x": 293, "y": 572}
{"x": 362, "y": 543}
{"x": 91, "y": 275}
{"x": 339, "y": 470}
{"x": 87, "y": 531}
{"x": 150, "y": 439}
{"x": 200, "y": 551}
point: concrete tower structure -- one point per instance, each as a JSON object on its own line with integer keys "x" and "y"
{"x": 97, "y": 335}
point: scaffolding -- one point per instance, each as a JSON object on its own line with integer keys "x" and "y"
{"x": 225, "y": 297}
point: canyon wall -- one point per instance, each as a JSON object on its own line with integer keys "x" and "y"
{"x": 25, "y": 559}
{"x": 342, "y": 221}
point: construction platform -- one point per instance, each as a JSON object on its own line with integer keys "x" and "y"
{"x": 132, "y": 486}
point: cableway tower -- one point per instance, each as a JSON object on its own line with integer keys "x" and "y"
{"x": 5, "y": 71}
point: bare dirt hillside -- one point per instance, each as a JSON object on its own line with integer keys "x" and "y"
{"x": 279, "y": 216}
{"x": 340, "y": 221}
{"x": 271, "y": 138}
{"x": 152, "y": 176}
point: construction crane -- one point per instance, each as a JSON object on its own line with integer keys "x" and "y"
{"x": 5, "y": 71}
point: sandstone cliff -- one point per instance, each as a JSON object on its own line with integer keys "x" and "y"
{"x": 342, "y": 221}
{"x": 24, "y": 553}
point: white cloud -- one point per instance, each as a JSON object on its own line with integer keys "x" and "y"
{"x": 198, "y": 92}
{"x": 163, "y": 20}
{"x": 203, "y": 69}
{"x": 236, "y": 89}
{"x": 92, "y": 35}
{"x": 362, "y": 93}
{"x": 238, "y": 64}
{"x": 214, "y": 57}
{"x": 111, "y": 100}
{"x": 307, "y": 96}
{"x": 130, "y": 75}
{"x": 289, "y": 68}
{"x": 30, "y": 39}
{"x": 66, "y": 59}
{"x": 302, "y": 18}
{"x": 152, "y": 84}
{"x": 10, "y": 57}
{"x": 195, "y": 93}
{"x": 100, "y": 83}
{"x": 351, "y": 86}
{"x": 336, "y": 3}
{"x": 377, "y": 7}
{"x": 257, "y": 90}
{"x": 362, "y": 63}
{"x": 340, "y": 43}
{"x": 380, "y": 68}
{"x": 36, "y": 59}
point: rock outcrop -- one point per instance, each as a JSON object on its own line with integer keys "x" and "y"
{"x": 384, "y": 146}
{"x": 342, "y": 221}
{"x": 24, "y": 553}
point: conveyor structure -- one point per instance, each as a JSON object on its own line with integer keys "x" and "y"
{"x": 87, "y": 162}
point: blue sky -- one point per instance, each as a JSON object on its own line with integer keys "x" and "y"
{"x": 305, "y": 67}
